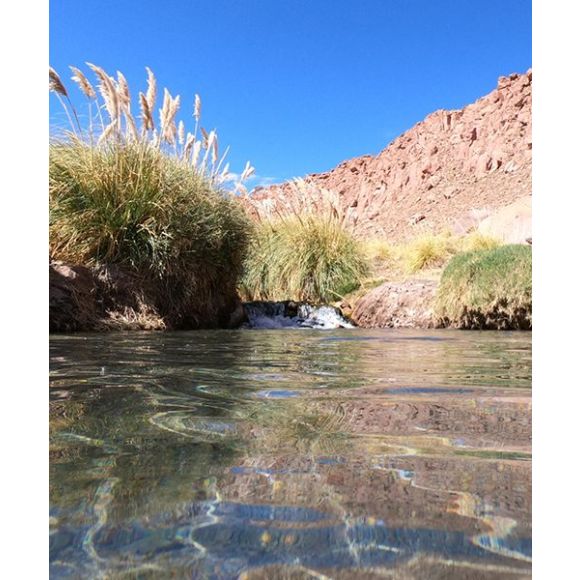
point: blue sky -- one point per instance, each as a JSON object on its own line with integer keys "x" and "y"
{"x": 298, "y": 86}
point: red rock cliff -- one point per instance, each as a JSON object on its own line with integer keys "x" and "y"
{"x": 446, "y": 171}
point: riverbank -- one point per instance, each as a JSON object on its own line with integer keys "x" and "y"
{"x": 145, "y": 235}
{"x": 485, "y": 289}
{"x": 104, "y": 298}
{"x": 481, "y": 289}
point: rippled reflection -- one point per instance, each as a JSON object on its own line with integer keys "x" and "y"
{"x": 291, "y": 454}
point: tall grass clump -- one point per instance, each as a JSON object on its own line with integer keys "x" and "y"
{"x": 487, "y": 289}
{"x": 308, "y": 258}
{"x": 144, "y": 195}
{"x": 379, "y": 250}
{"x": 428, "y": 251}
{"x": 478, "y": 241}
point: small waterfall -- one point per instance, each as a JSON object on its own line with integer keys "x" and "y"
{"x": 293, "y": 315}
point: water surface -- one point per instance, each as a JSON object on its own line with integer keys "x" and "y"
{"x": 291, "y": 454}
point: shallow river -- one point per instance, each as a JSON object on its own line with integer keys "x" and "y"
{"x": 291, "y": 454}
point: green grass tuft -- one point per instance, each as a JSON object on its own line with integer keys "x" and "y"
{"x": 488, "y": 289}
{"x": 305, "y": 258}
{"x": 130, "y": 205}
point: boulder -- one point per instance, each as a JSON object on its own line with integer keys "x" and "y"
{"x": 406, "y": 304}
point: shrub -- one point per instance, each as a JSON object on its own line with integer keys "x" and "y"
{"x": 427, "y": 251}
{"x": 132, "y": 205}
{"x": 304, "y": 258}
{"x": 478, "y": 241}
{"x": 379, "y": 250}
{"x": 149, "y": 200}
{"x": 487, "y": 289}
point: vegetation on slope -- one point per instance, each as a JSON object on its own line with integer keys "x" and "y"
{"x": 310, "y": 258}
{"x": 488, "y": 289}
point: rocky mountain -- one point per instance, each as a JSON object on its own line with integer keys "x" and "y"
{"x": 451, "y": 170}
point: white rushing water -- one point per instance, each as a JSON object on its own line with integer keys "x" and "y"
{"x": 288, "y": 315}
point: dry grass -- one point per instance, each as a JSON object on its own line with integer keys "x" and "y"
{"x": 379, "y": 251}
{"x": 477, "y": 241}
{"x": 303, "y": 248}
{"x": 302, "y": 197}
{"x": 120, "y": 126}
{"x": 427, "y": 251}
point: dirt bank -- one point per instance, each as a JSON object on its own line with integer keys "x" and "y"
{"x": 111, "y": 298}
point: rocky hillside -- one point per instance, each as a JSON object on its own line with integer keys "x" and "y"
{"x": 452, "y": 169}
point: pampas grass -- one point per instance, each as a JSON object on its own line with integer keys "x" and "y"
{"x": 308, "y": 258}
{"x": 128, "y": 196}
{"x": 120, "y": 126}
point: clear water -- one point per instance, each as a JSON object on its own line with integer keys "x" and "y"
{"x": 291, "y": 454}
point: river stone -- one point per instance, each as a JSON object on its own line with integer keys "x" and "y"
{"x": 406, "y": 304}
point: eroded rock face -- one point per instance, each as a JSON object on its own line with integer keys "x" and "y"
{"x": 511, "y": 224}
{"x": 397, "y": 305}
{"x": 446, "y": 168}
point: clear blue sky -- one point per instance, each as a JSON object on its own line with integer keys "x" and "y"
{"x": 297, "y": 86}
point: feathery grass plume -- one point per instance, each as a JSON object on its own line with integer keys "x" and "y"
{"x": 124, "y": 97}
{"x": 151, "y": 88}
{"x": 132, "y": 126}
{"x": 109, "y": 130}
{"x": 81, "y": 80}
{"x": 164, "y": 112}
{"x": 197, "y": 108}
{"x": 196, "y": 153}
{"x": 146, "y": 116}
{"x": 55, "y": 84}
{"x": 123, "y": 91}
{"x": 208, "y": 148}
{"x": 225, "y": 172}
{"x": 167, "y": 115}
{"x": 205, "y": 137}
{"x": 196, "y": 112}
{"x": 172, "y": 115}
{"x": 190, "y": 139}
{"x": 181, "y": 132}
{"x": 214, "y": 150}
{"x": 248, "y": 171}
{"x": 107, "y": 91}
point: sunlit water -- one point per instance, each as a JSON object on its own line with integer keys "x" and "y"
{"x": 291, "y": 454}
